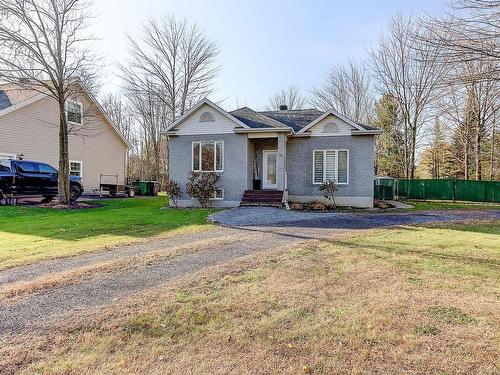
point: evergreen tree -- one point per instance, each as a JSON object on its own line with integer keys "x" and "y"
{"x": 390, "y": 144}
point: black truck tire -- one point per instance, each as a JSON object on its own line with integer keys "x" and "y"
{"x": 131, "y": 192}
{"x": 74, "y": 193}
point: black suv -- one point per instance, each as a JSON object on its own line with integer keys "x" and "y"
{"x": 31, "y": 178}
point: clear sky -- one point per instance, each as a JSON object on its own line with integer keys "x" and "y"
{"x": 265, "y": 45}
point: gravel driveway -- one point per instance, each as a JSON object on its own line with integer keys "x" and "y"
{"x": 277, "y": 218}
{"x": 253, "y": 230}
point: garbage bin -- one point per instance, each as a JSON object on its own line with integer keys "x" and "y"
{"x": 143, "y": 186}
{"x": 153, "y": 188}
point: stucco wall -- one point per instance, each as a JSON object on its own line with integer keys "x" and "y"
{"x": 300, "y": 165}
{"x": 33, "y": 131}
{"x": 234, "y": 178}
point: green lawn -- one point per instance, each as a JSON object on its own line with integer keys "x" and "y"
{"x": 445, "y": 205}
{"x": 29, "y": 233}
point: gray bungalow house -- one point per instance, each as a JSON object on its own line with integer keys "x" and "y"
{"x": 273, "y": 156}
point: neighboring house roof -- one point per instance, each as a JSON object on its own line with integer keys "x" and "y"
{"x": 256, "y": 120}
{"x": 16, "y": 96}
{"x": 4, "y": 100}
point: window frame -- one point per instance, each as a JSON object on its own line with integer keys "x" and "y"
{"x": 211, "y": 119}
{"x": 214, "y": 198}
{"x": 68, "y": 101}
{"x": 200, "y": 159}
{"x": 81, "y": 167}
{"x": 336, "y": 166}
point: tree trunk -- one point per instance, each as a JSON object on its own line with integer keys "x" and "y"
{"x": 466, "y": 160}
{"x": 478, "y": 150}
{"x": 413, "y": 150}
{"x": 492, "y": 149}
{"x": 63, "y": 184}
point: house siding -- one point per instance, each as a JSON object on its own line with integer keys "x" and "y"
{"x": 234, "y": 178}
{"x": 193, "y": 126}
{"x": 359, "y": 191}
{"x": 33, "y": 131}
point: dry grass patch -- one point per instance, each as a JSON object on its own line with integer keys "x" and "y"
{"x": 355, "y": 306}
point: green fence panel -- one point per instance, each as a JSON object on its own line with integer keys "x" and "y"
{"x": 411, "y": 189}
{"x": 492, "y": 191}
{"x": 448, "y": 189}
{"x": 384, "y": 189}
{"x": 439, "y": 189}
{"x": 470, "y": 190}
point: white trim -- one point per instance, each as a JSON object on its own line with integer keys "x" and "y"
{"x": 66, "y": 103}
{"x": 367, "y": 132}
{"x": 334, "y": 113}
{"x": 23, "y": 103}
{"x": 336, "y": 166}
{"x": 195, "y": 108}
{"x": 264, "y": 130}
{"x": 81, "y": 167}
{"x": 200, "y": 159}
{"x": 264, "y": 169}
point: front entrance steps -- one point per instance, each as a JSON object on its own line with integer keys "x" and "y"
{"x": 268, "y": 198}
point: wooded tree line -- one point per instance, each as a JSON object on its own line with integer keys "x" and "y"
{"x": 432, "y": 85}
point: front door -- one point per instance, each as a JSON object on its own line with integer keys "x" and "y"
{"x": 269, "y": 169}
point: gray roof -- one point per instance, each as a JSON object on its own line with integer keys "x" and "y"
{"x": 4, "y": 100}
{"x": 367, "y": 127}
{"x": 255, "y": 119}
{"x": 295, "y": 118}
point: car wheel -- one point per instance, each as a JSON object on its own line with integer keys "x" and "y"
{"x": 131, "y": 193}
{"x": 74, "y": 193}
{"x": 47, "y": 198}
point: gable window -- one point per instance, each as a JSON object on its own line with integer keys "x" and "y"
{"x": 75, "y": 168}
{"x": 331, "y": 165}
{"x": 74, "y": 112}
{"x": 207, "y": 156}
{"x": 331, "y": 127}
{"x": 207, "y": 117}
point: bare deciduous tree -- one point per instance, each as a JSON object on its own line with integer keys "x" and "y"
{"x": 174, "y": 61}
{"x": 469, "y": 32}
{"x": 411, "y": 73}
{"x": 347, "y": 90}
{"x": 43, "y": 47}
{"x": 170, "y": 68}
{"x": 290, "y": 96}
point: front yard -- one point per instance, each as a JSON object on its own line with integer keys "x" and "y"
{"x": 413, "y": 300}
{"x": 28, "y": 234}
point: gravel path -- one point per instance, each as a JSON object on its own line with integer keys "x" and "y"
{"x": 40, "y": 310}
{"x": 254, "y": 230}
